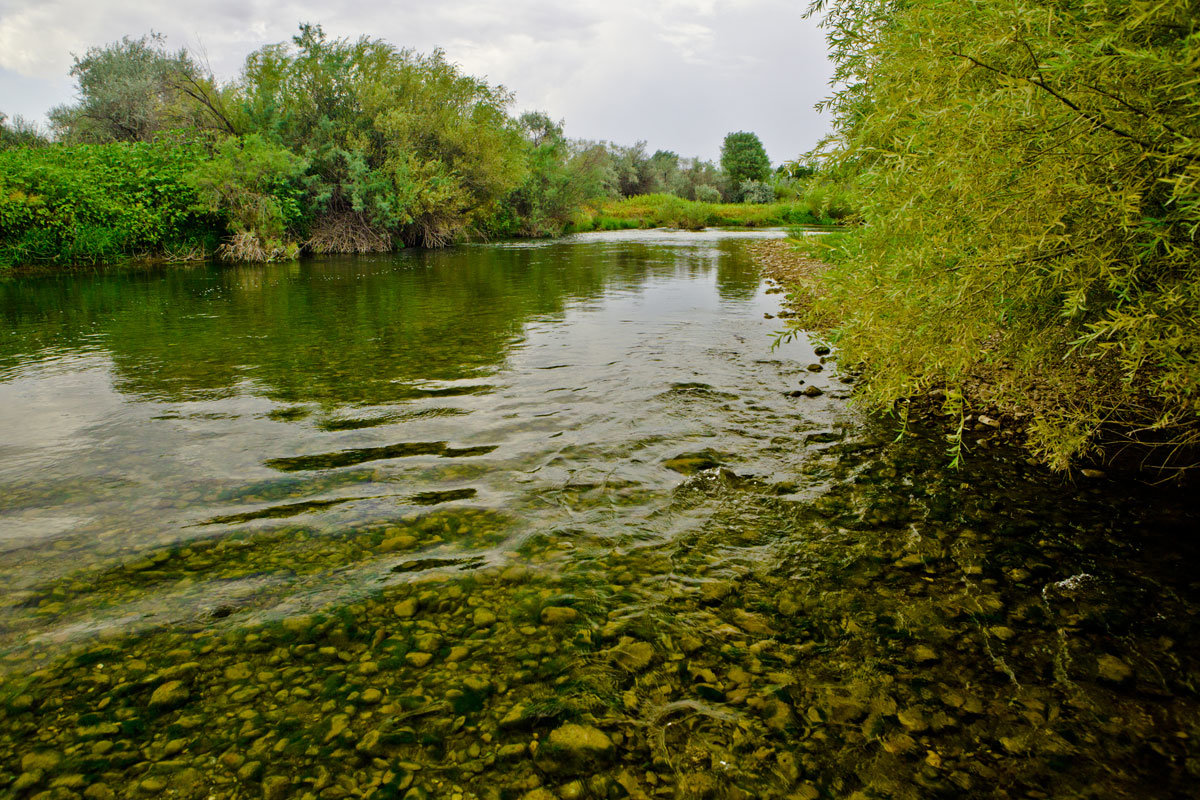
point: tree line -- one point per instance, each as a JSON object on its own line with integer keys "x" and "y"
{"x": 321, "y": 144}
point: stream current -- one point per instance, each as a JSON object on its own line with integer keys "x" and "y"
{"x": 546, "y": 520}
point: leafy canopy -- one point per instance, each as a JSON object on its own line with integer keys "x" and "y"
{"x": 398, "y": 143}
{"x": 133, "y": 89}
{"x": 744, "y": 159}
{"x": 1029, "y": 174}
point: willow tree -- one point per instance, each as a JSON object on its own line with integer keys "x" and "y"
{"x": 1030, "y": 184}
{"x": 134, "y": 89}
{"x": 400, "y": 146}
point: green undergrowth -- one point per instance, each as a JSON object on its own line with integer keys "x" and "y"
{"x": 91, "y": 204}
{"x": 669, "y": 211}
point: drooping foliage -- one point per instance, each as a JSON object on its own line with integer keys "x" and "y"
{"x": 1029, "y": 176}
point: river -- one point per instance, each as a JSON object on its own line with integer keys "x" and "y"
{"x": 546, "y": 520}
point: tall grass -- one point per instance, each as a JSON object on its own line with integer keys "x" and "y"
{"x": 669, "y": 211}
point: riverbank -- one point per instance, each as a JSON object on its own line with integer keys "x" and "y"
{"x": 669, "y": 211}
{"x": 987, "y": 406}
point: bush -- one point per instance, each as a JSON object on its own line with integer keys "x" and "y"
{"x": 89, "y": 204}
{"x": 708, "y": 194}
{"x": 756, "y": 192}
{"x": 255, "y": 186}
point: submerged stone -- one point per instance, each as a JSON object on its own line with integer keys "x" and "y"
{"x": 509, "y": 752}
{"x": 406, "y": 608}
{"x": 1112, "y": 669}
{"x": 171, "y": 694}
{"x": 99, "y": 791}
{"x": 44, "y": 760}
{"x": 558, "y": 615}
{"x": 27, "y": 780}
{"x": 691, "y": 463}
{"x": 924, "y": 654}
{"x": 715, "y": 591}
{"x": 574, "y": 747}
{"x": 418, "y": 659}
{"x": 275, "y": 787}
{"x": 632, "y": 655}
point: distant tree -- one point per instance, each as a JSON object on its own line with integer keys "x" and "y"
{"x": 699, "y": 180}
{"x": 796, "y": 169}
{"x": 560, "y": 179}
{"x": 744, "y": 159}
{"x": 632, "y": 168}
{"x": 20, "y": 132}
{"x": 132, "y": 89}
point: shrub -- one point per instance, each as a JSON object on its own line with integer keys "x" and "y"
{"x": 87, "y": 204}
{"x": 255, "y": 185}
{"x": 19, "y": 132}
{"x": 756, "y": 192}
{"x": 708, "y": 194}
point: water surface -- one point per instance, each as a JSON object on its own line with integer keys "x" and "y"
{"x": 544, "y": 520}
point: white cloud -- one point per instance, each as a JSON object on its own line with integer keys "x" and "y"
{"x": 677, "y": 73}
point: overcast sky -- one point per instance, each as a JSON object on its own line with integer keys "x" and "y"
{"x": 679, "y": 74}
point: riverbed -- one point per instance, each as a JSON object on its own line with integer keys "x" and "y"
{"x": 546, "y": 520}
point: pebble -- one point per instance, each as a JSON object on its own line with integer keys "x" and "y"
{"x": 418, "y": 659}
{"x": 42, "y": 760}
{"x": 632, "y": 655}
{"x": 275, "y": 787}
{"x": 99, "y": 791}
{"x": 558, "y": 615}
{"x": 924, "y": 654}
{"x": 406, "y": 608}
{"x": 1112, "y": 669}
{"x": 171, "y": 694}
{"x": 581, "y": 741}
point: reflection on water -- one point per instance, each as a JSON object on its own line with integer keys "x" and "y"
{"x": 543, "y": 520}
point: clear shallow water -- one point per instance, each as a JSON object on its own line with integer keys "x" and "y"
{"x": 543, "y": 517}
